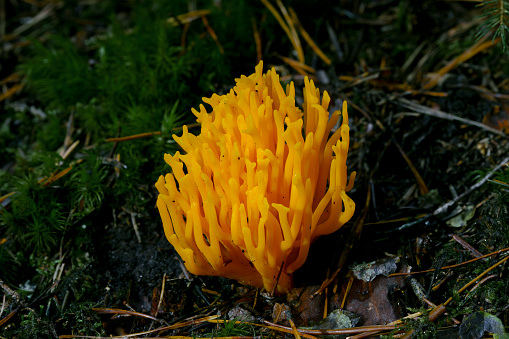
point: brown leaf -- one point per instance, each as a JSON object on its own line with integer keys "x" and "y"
{"x": 372, "y": 300}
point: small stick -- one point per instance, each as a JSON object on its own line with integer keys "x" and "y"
{"x": 474, "y": 252}
{"x": 161, "y": 296}
{"x": 445, "y": 207}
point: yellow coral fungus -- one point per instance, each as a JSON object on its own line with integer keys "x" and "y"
{"x": 259, "y": 183}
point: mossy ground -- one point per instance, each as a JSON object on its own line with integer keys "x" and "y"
{"x": 81, "y": 232}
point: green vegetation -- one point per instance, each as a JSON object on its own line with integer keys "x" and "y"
{"x": 495, "y": 15}
{"x": 232, "y": 328}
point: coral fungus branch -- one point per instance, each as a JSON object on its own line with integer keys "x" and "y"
{"x": 260, "y": 182}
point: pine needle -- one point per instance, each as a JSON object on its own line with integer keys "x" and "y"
{"x": 496, "y": 17}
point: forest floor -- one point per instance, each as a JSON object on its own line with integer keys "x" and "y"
{"x": 92, "y": 92}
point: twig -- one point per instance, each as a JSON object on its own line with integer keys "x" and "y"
{"x": 9, "y": 316}
{"x": 132, "y": 137}
{"x": 293, "y": 32}
{"x": 352, "y": 330}
{"x": 479, "y": 277}
{"x": 445, "y": 207}
{"x": 294, "y": 330}
{"x": 11, "y": 91}
{"x": 335, "y": 42}
{"x": 212, "y": 33}
{"x": 443, "y": 115}
{"x": 258, "y": 40}
{"x": 482, "y": 282}
{"x": 125, "y": 312}
{"x": 420, "y": 182}
{"x": 473, "y": 251}
{"x": 3, "y": 306}
{"x": 479, "y": 46}
{"x": 453, "y": 266}
{"x": 135, "y": 225}
{"x": 161, "y": 296}
{"x": 184, "y": 269}
{"x": 147, "y": 134}
{"x": 290, "y": 31}
{"x": 306, "y": 37}
{"x": 43, "y": 14}
{"x": 442, "y": 209}
{"x": 187, "y": 17}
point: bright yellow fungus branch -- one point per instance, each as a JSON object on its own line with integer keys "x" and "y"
{"x": 259, "y": 183}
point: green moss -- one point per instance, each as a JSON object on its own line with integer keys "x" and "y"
{"x": 33, "y": 327}
{"x": 58, "y": 75}
{"x": 232, "y": 329}
{"x": 82, "y": 319}
{"x": 87, "y": 184}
